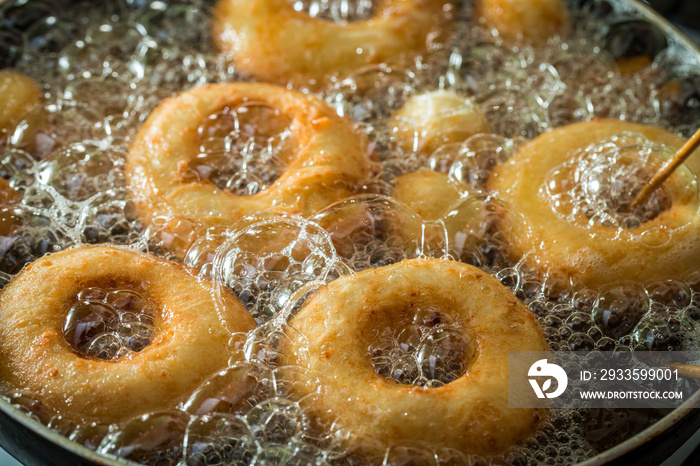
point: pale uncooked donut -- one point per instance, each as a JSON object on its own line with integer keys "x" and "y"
{"x": 190, "y": 341}
{"x": 271, "y": 41}
{"x": 599, "y": 254}
{"x": 335, "y": 328}
{"x": 328, "y": 161}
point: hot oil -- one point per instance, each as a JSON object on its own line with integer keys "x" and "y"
{"x": 109, "y": 324}
{"x": 427, "y": 349}
{"x": 103, "y": 69}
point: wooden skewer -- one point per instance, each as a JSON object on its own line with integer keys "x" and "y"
{"x": 686, "y": 370}
{"x": 668, "y": 168}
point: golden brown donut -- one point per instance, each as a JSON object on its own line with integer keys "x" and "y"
{"x": 271, "y": 41}
{"x": 189, "y": 344}
{"x": 665, "y": 247}
{"x": 335, "y": 328}
{"x": 19, "y": 95}
{"x": 529, "y": 20}
{"x": 327, "y": 161}
{"x": 428, "y": 121}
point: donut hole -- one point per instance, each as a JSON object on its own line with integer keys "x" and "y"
{"x": 424, "y": 347}
{"x": 599, "y": 185}
{"x": 337, "y": 11}
{"x": 242, "y": 149}
{"x": 109, "y": 323}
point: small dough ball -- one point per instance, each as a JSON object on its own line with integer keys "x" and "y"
{"x": 428, "y": 121}
{"x": 8, "y": 195}
{"x": 532, "y": 21}
{"x": 465, "y": 218}
{"x": 631, "y": 65}
{"x": 19, "y": 95}
{"x": 428, "y": 192}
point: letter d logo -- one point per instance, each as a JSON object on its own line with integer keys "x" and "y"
{"x": 542, "y": 368}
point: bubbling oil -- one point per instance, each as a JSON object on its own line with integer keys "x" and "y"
{"x": 242, "y": 149}
{"x": 338, "y": 11}
{"x": 104, "y": 67}
{"x": 599, "y": 185}
{"x": 428, "y": 349}
{"x": 109, "y": 324}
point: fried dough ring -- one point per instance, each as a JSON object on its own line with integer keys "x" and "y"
{"x": 532, "y": 21}
{"x": 337, "y": 325}
{"x": 190, "y": 341}
{"x": 600, "y": 254}
{"x": 273, "y": 42}
{"x": 328, "y": 161}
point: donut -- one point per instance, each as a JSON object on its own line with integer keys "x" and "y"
{"x": 335, "y": 327}
{"x": 554, "y": 239}
{"x": 189, "y": 343}
{"x": 428, "y": 121}
{"x": 19, "y": 95}
{"x": 532, "y": 21}
{"x": 327, "y": 160}
{"x": 268, "y": 39}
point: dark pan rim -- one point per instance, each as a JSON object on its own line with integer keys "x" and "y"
{"x": 693, "y": 402}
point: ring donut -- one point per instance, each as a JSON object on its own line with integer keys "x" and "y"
{"x": 273, "y": 42}
{"x": 664, "y": 247}
{"x": 533, "y": 21}
{"x": 190, "y": 340}
{"x": 335, "y": 328}
{"x": 327, "y": 161}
